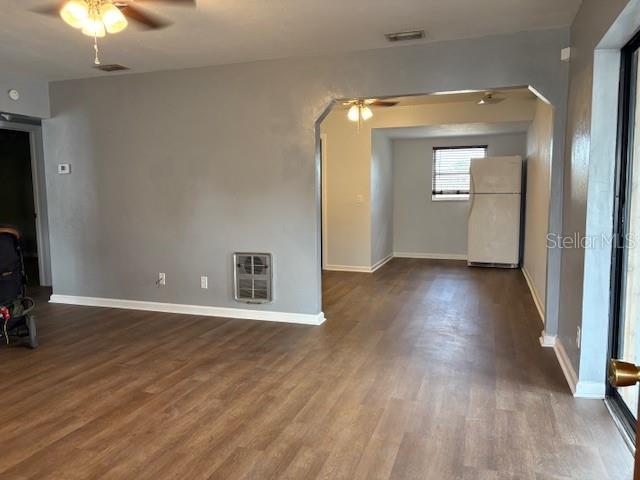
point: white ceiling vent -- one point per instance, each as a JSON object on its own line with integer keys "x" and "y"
{"x": 112, "y": 67}
{"x": 252, "y": 277}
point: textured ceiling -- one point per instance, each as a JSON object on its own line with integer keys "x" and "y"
{"x": 231, "y": 31}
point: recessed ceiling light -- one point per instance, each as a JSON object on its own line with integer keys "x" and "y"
{"x": 405, "y": 36}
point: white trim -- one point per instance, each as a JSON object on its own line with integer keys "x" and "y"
{"x": 432, "y": 256}
{"x": 534, "y": 293}
{"x": 324, "y": 192}
{"x": 384, "y": 261}
{"x": 592, "y": 390}
{"x": 347, "y": 268}
{"x": 225, "y": 312}
{"x": 565, "y": 364}
{"x": 381, "y": 263}
{"x": 548, "y": 340}
{"x": 580, "y": 389}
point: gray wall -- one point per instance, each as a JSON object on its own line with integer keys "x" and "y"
{"x": 381, "y": 197}
{"x": 593, "y": 20}
{"x": 173, "y": 171}
{"x": 34, "y": 95}
{"x": 423, "y": 226}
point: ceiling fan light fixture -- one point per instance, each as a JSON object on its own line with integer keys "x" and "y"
{"x": 366, "y": 113}
{"x": 94, "y": 27}
{"x": 75, "y": 13}
{"x": 354, "y": 113}
{"x": 112, "y": 18}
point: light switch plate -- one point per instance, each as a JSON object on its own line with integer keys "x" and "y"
{"x": 64, "y": 168}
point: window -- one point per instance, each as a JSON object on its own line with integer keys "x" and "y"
{"x": 451, "y": 180}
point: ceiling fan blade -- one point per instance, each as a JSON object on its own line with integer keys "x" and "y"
{"x": 383, "y": 103}
{"x": 151, "y": 22}
{"x": 50, "y": 9}
{"x": 182, "y": 3}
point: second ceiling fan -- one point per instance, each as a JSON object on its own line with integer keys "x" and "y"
{"x": 360, "y": 109}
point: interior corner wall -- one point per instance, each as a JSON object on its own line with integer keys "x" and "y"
{"x": 347, "y": 194}
{"x": 174, "y": 171}
{"x": 539, "y": 157}
{"x": 427, "y": 228}
{"x": 381, "y": 198}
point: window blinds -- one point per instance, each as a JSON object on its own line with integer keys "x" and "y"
{"x": 451, "y": 170}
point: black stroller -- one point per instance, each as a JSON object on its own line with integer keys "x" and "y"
{"x": 16, "y": 321}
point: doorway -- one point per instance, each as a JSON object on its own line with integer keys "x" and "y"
{"x": 17, "y": 203}
{"x": 22, "y": 195}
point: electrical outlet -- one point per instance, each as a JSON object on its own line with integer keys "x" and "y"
{"x": 162, "y": 279}
{"x": 578, "y": 337}
{"x": 204, "y": 282}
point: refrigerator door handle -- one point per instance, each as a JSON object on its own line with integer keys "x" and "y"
{"x": 471, "y": 196}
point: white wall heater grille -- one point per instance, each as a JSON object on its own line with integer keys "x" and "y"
{"x": 252, "y": 277}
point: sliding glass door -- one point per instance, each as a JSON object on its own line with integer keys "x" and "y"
{"x": 625, "y": 331}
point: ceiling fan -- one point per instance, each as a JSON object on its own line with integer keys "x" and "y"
{"x": 489, "y": 98}
{"x": 96, "y": 18}
{"x": 360, "y": 109}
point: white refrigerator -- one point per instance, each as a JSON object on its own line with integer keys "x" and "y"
{"x": 494, "y": 213}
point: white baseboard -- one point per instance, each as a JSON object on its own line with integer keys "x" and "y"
{"x": 592, "y": 390}
{"x": 534, "y": 293}
{"x": 347, "y": 268}
{"x": 381, "y": 263}
{"x": 580, "y": 389}
{"x": 565, "y": 364}
{"x": 358, "y": 269}
{"x": 548, "y": 340}
{"x": 431, "y": 256}
{"x": 224, "y": 312}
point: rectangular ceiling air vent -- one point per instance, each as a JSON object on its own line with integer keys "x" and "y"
{"x": 405, "y": 36}
{"x": 113, "y": 67}
{"x": 252, "y": 277}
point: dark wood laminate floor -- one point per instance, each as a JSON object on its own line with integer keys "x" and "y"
{"x": 424, "y": 370}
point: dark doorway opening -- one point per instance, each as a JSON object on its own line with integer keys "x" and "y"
{"x": 17, "y": 200}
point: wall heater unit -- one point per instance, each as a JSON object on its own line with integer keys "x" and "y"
{"x": 253, "y": 277}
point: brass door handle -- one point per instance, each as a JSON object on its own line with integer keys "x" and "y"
{"x": 623, "y": 374}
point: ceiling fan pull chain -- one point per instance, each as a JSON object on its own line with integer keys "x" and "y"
{"x": 96, "y": 60}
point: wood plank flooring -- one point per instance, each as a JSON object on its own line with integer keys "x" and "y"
{"x": 423, "y": 370}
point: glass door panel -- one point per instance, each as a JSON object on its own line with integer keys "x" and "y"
{"x": 626, "y": 311}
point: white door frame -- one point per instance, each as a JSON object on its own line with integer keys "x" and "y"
{"x": 325, "y": 235}
{"x": 39, "y": 195}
